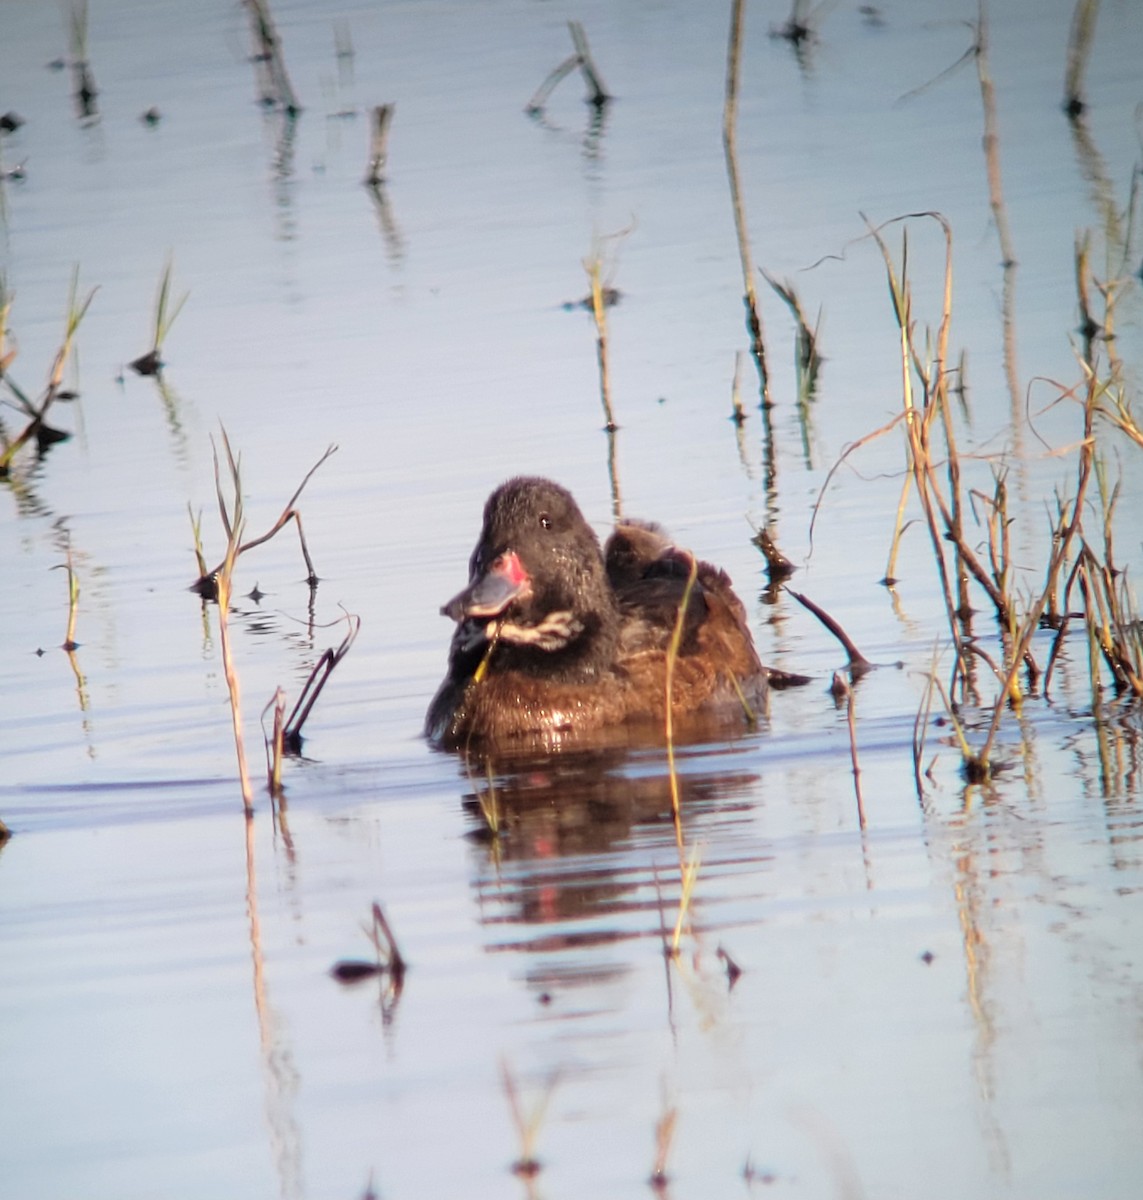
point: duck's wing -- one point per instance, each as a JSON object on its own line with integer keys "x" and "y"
{"x": 650, "y": 611}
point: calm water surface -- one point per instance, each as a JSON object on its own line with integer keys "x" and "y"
{"x": 946, "y": 1003}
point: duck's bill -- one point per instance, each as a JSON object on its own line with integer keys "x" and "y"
{"x": 491, "y": 593}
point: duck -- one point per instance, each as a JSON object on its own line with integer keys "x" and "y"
{"x": 558, "y": 639}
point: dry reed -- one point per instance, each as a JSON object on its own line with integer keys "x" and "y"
{"x": 730, "y": 148}
{"x": 233, "y": 523}
{"x": 206, "y": 585}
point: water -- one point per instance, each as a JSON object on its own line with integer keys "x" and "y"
{"x": 946, "y": 1003}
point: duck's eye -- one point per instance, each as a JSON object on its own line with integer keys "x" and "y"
{"x": 545, "y": 521}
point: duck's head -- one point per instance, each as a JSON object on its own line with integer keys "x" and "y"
{"x": 536, "y": 577}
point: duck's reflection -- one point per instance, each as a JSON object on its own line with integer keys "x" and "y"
{"x": 582, "y": 846}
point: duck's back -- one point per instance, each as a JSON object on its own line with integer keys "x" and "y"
{"x": 716, "y": 664}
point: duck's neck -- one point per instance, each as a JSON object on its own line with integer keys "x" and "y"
{"x": 565, "y": 647}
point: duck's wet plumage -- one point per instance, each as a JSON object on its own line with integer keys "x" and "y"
{"x": 558, "y": 638}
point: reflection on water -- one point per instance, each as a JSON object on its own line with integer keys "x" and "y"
{"x": 584, "y": 837}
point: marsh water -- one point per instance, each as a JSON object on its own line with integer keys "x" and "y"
{"x": 947, "y": 1002}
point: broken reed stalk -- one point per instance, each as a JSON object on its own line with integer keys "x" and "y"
{"x": 807, "y": 359}
{"x": 275, "y": 743}
{"x": 858, "y": 663}
{"x": 75, "y": 314}
{"x": 69, "y": 642}
{"x": 778, "y": 566}
{"x": 669, "y": 720}
{"x": 151, "y": 363}
{"x": 36, "y": 411}
{"x": 730, "y": 147}
{"x": 1079, "y": 50}
{"x": 233, "y": 522}
{"x": 206, "y": 584}
{"x": 196, "y": 533}
{"x": 597, "y": 94}
{"x": 379, "y": 144}
{"x": 535, "y": 106}
{"x": 318, "y": 677}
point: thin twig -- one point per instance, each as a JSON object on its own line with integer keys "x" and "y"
{"x": 858, "y": 663}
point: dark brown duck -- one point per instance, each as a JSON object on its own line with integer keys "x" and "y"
{"x": 556, "y": 638}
